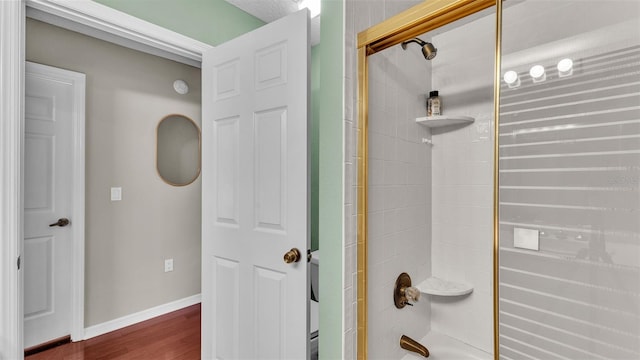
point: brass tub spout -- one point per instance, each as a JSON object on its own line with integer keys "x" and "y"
{"x": 412, "y": 345}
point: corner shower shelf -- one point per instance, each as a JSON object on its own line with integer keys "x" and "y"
{"x": 444, "y": 120}
{"x": 440, "y": 287}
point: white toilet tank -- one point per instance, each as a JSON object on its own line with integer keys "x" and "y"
{"x": 315, "y": 270}
{"x": 314, "y": 305}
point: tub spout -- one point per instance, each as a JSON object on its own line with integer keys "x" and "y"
{"x": 412, "y": 345}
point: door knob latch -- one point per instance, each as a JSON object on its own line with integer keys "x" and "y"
{"x": 292, "y": 256}
{"x": 62, "y": 222}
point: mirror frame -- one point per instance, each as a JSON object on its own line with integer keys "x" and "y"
{"x": 195, "y": 125}
{"x": 408, "y": 24}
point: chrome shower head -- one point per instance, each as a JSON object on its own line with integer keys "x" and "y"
{"x": 428, "y": 50}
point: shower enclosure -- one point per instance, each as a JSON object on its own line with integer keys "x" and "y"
{"x": 569, "y": 138}
{"x": 535, "y": 203}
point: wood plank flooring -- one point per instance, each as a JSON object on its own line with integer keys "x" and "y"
{"x": 174, "y": 336}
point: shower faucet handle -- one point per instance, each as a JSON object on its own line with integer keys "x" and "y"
{"x": 403, "y": 292}
{"x": 412, "y": 294}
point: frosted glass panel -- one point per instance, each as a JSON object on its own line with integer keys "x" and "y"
{"x": 570, "y": 169}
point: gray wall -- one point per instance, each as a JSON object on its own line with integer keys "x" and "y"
{"x": 127, "y": 94}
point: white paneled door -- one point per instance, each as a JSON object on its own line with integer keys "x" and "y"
{"x": 255, "y": 194}
{"x": 50, "y": 110}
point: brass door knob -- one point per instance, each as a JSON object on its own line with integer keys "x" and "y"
{"x": 292, "y": 256}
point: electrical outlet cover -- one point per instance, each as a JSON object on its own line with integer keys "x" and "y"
{"x": 168, "y": 265}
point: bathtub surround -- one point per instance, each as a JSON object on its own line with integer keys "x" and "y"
{"x": 399, "y": 197}
{"x": 463, "y": 180}
{"x": 128, "y": 92}
{"x": 404, "y": 222}
{"x": 458, "y": 152}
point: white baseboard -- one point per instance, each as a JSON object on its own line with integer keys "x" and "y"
{"x": 119, "y": 323}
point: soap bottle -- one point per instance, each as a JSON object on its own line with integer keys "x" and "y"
{"x": 434, "y": 106}
{"x": 428, "y": 103}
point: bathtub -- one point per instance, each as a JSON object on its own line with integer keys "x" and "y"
{"x": 443, "y": 347}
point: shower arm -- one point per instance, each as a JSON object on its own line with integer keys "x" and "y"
{"x": 417, "y": 41}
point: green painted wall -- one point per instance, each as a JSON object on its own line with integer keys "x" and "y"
{"x": 316, "y": 96}
{"x": 210, "y": 21}
{"x": 331, "y": 203}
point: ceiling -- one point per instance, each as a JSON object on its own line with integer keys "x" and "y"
{"x": 271, "y": 10}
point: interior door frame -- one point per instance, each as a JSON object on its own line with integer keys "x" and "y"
{"x": 89, "y": 18}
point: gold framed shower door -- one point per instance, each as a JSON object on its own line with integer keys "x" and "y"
{"x": 408, "y": 24}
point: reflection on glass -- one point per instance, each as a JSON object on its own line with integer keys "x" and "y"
{"x": 537, "y": 73}
{"x": 569, "y": 139}
{"x": 512, "y": 79}
{"x": 178, "y": 150}
{"x": 565, "y": 67}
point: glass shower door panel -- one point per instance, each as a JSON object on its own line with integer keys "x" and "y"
{"x": 569, "y": 138}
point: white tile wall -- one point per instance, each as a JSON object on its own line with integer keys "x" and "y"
{"x": 399, "y": 209}
{"x": 400, "y": 217}
{"x": 462, "y": 181}
{"x": 350, "y": 192}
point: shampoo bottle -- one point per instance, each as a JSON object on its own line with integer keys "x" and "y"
{"x": 434, "y": 106}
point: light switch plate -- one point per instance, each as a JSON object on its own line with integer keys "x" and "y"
{"x": 526, "y": 239}
{"x": 116, "y": 193}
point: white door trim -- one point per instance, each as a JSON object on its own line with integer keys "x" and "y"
{"x": 105, "y": 23}
{"x": 77, "y": 228}
{"x": 12, "y": 21}
{"x": 12, "y": 42}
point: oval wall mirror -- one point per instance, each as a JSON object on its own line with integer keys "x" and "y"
{"x": 178, "y": 150}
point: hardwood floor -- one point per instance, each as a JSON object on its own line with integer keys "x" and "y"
{"x": 174, "y": 336}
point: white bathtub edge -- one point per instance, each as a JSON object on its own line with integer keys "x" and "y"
{"x": 440, "y": 344}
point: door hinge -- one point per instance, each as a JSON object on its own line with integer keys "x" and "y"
{"x": 18, "y": 262}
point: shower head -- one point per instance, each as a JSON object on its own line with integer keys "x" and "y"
{"x": 428, "y": 50}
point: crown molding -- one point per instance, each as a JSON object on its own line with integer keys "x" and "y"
{"x": 105, "y": 23}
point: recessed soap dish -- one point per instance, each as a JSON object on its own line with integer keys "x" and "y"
{"x": 441, "y": 287}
